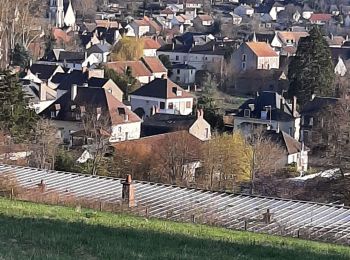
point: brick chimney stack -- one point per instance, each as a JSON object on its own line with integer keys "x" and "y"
{"x": 128, "y": 192}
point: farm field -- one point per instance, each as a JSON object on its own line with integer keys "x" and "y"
{"x": 35, "y": 231}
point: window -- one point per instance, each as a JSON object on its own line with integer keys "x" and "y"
{"x": 188, "y": 104}
{"x": 53, "y": 114}
{"x": 126, "y": 136}
{"x": 119, "y": 129}
{"x": 170, "y": 105}
{"x": 244, "y": 57}
{"x": 311, "y": 121}
{"x": 77, "y": 116}
{"x": 243, "y": 65}
{"x": 73, "y": 107}
{"x": 162, "y": 105}
{"x": 290, "y": 132}
{"x": 246, "y": 112}
{"x": 206, "y": 133}
{"x": 178, "y": 71}
{"x": 177, "y": 57}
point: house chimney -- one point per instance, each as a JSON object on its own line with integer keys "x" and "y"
{"x": 200, "y": 113}
{"x": 42, "y": 186}
{"x": 74, "y": 91}
{"x": 128, "y": 192}
{"x": 126, "y": 117}
{"x": 42, "y": 91}
{"x": 294, "y": 106}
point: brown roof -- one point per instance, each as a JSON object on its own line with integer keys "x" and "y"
{"x": 154, "y": 65}
{"x": 138, "y": 69}
{"x": 262, "y": 49}
{"x": 154, "y": 143}
{"x": 141, "y": 22}
{"x": 294, "y": 36}
{"x": 120, "y": 113}
{"x": 205, "y": 17}
{"x": 149, "y": 43}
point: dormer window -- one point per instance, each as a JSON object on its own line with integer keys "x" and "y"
{"x": 246, "y": 112}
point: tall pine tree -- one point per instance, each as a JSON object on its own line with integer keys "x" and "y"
{"x": 16, "y": 119}
{"x": 311, "y": 70}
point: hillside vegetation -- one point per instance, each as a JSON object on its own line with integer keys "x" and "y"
{"x": 33, "y": 231}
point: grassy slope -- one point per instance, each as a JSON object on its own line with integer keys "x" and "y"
{"x": 45, "y": 232}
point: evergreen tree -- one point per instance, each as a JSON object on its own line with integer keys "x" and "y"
{"x": 311, "y": 70}
{"x": 50, "y": 42}
{"x": 20, "y": 56}
{"x": 16, "y": 118}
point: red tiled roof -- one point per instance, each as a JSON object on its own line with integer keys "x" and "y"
{"x": 120, "y": 113}
{"x": 138, "y": 69}
{"x": 154, "y": 65}
{"x": 150, "y": 44}
{"x": 320, "y": 17}
{"x": 262, "y": 49}
{"x": 107, "y": 24}
{"x": 295, "y": 36}
{"x": 61, "y": 35}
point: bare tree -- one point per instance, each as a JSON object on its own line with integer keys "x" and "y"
{"x": 19, "y": 23}
{"x": 331, "y": 134}
{"x": 44, "y": 145}
{"x": 97, "y": 127}
{"x": 266, "y": 156}
{"x": 86, "y": 8}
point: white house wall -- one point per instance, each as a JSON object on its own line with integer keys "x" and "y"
{"x": 126, "y": 131}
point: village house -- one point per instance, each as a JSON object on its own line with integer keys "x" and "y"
{"x": 208, "y": 56}
{"x": 138, "y": 70}
{"x": 67, "y": 112}
{"x": 320, "y": 19}
{"x": 255, "y": 56}
{"x": 244, "y": 10}
{"x": 311, "y": 118}
{"x": 203, "y": 20}
{"x": 164, "y": 94}
{"x": 159, "y": 123}
{"x": 286, "y": 42}
{"x": 183, "y": 74}
{"x": 40, "y": 73}
{"x": 270, "y": 110}
{"x": 155, "y": 66}
{"x": 150, "y": 47}
{"x": 294, "y": 152}
{"x": 140, "y": 27}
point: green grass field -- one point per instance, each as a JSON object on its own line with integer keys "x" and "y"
{"x": 33, "y": 231}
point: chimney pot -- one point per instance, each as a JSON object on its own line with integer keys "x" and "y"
{"x": 74, "y": 91}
